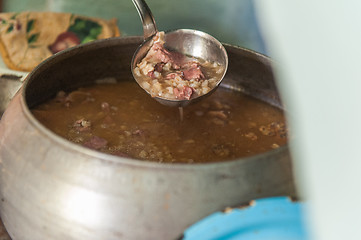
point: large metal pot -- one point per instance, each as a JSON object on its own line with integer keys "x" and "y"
{"x": 10, "y": 83}
{"x": 53, "y": 189}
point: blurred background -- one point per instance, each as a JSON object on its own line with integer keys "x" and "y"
{"x": 230, "y": 21}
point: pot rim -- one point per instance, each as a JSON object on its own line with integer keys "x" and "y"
{"x": 64, "y": 143}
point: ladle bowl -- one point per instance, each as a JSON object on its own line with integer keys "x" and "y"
{"x": 186, "y": 41}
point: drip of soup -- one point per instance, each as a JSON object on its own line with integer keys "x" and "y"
{"x": 121, "y": 119}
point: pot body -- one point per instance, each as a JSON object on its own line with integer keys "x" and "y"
{"x": 53, "y": 189}
{"x": 9, "y": 85}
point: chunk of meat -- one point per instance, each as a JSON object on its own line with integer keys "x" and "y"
{"x": 159, "y": 67}
{"x": 95, "y": 143}
{"x": 105, "y": 107}
{"x": 218, "y": 113}
{"x": 82, "y": 125}
{"x": 158, "y": 54}
{"x": 152, "y": 74}
{"x": 251, "y": 135}
{"x": 177, "y": 59}
{"x": 138, "y": 132}
{"x": 174, "y": 75}
{"x": 184, "y": 93}
{"x": 193, "y": 71}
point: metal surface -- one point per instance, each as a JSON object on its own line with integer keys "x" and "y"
{"x": 149, "y": 26}
{"x": 53, "y": 189}
{"x": 3, "y": 233}
{"x": 9, "y": 85}
{"x": 189, "y": 42}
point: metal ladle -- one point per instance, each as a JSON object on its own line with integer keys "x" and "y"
{"x": 186, "y": 41}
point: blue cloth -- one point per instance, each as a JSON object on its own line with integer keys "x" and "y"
{"x": 275, "y": 218}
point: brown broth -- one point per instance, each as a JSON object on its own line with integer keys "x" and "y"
{"x": 226, "y": 125}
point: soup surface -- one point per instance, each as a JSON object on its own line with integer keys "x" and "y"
{"x": 121, "y": 119}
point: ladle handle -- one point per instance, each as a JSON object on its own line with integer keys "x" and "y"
{"x": 149, "y": 27}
